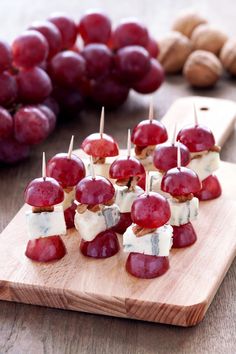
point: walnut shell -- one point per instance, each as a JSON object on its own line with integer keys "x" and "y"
{"x": 228, "y": 56}
{"x": 207, "y": 37}
{"x": 187, "y": 21}
{"x": 174, "y": 50}
{"x": 202, "y": 69}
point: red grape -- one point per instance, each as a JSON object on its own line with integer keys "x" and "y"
{"x": 152, "y": 47}
{"x": 211, "y": 189}
{"x": 130, "y": 32}
{"x": 132, "y": 63}
{"x": 196, "y": 137}
{"x": 52, "y": 119}
{"x": 5, "y": 56}
{"x": 180, "y": 181}
{"x": 45, "y": 249}
{"x": 104, "y": 245}
{"x": 31, "y": 125}
{"x": 43, "y": 192}
{"x": 59, "y": 165}
{"x": 144, "y": 266}
{"x": 34, "y": 85}
{"x": 67, "y": 69}
{"x": 11, "y": 151}
{"x": 95, "y": 27}
{"x": 93, "y": 191}
{"x": 152, "y": 80}
{"x": 165, "y": 156}
{"x": 183, "y": 235}
{"x": 109, "y": 92}
{"x": 6, "y": 124}
{"x": 148, "y": 133}
{"x": 96, "y": 146}
{"x": 71, "y": 101}
{"x": 67, "y": 28}
{"x": 52, "y": 104}
{"x": 52, "y": 35}
{"x": 29, "y": 49}
{"x": 126, "y": 167}
{"x": 99, "y": 60}
{"x": 69, "y": 215}
{"x": 150, "y": 211}
{"x": 8, "y": 89}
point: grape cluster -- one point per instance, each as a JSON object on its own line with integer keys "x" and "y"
{"x": 45, "y": 72}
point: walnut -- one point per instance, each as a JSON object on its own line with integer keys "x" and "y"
{"x": 202, "y": 69}
{"x": 228, "y": 56}
{"x": 187, "y": 21}
{"x": 174, "y": 50}
{"x": 209, "y": 38}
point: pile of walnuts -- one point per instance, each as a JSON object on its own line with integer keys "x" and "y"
{"x": 198, "y": 49}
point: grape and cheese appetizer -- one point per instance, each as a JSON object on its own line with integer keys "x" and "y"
{"x": 165, "y": 158}
{"x": 145, "y": 136}
{"x": 205, "y": 157}
{"x": 68, "y": 169}
{"x": 101, "y": 147}
{"x": 149, "y": 239}
{"x": 127, "y": 171}
{"x": 45, "y": 223}
{"x": 95, "y": 215}
{"x": 181, "y": 183}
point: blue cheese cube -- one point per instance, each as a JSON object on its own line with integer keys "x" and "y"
{"x": 157, "y": 243}
{"x": 206, "y": 164}
{"x": 68, "y": 199}
{"x": 89, "y": 224}
{"x": 46, "y": 223}
{"x": 184, "y": 212}
{"x": 147, "y": 163}
{"x": 155, "y": 183}
{"x": 125, "y": 198}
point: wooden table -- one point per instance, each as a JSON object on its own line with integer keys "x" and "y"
{"x": 39, "y": 330}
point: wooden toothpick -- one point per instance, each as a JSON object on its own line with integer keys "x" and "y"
{"x": 44, "y": 166}
{"x": 174, "y": 134}
{"x": 70, "y": 147}
{"x": 195, "y": 113}
{"x": 178, "y": 155}
{"x": 92, "y": 171}
{"x": 151, "y": 111}
{"x": 147, "y": 184}
{"x": 128, "y": 144}
{"x": 101, "y": 130}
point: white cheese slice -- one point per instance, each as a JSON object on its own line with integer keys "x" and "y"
{"x": 205, "y": 165}
{"x": 68, "y": 199}
{"x": 155, "y": 183}
{"x": 157, "y": 243}
{"x": 125, "y": 198}
{"x": 101, "y": 169}
{"x": 89, "y": 224}
{"x": 46, "y": 223}
{"x": 182, "y": 213}
{"x": 147, "y": 163}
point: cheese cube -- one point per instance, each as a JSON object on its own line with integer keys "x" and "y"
{"x": 125, "y": 198}
{"x": 101, "y": 169}
{"x": 147, "y": 163}
{"x": 89, "y": 224}
{"x": 157, "y": 243}
{"x": 205, "y": 165}
{"x": 68, "y": 199}
{"x": 46, "y": 223}
{"x": 155, "y": 183}
{"x": 182, "y": 213}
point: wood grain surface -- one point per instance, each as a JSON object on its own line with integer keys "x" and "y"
{"x": 33, "y": 329}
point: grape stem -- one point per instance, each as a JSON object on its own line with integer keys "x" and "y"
{"x": 70, "y": 147}
{"x": 101, "y": 129}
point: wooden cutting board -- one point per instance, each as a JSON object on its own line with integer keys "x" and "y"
{"x": 180, "y": 297}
